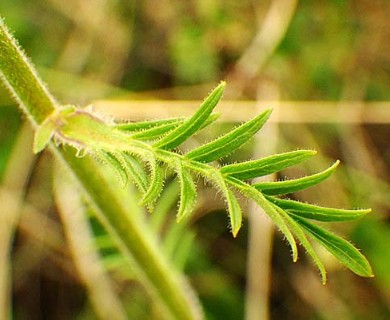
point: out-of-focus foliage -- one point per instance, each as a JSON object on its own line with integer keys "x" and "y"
{"x": 333, "y": 50}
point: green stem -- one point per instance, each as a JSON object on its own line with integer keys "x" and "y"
{"x": 22, "y": 80}
{"x": 116, "y": 211}
{"x": 134, "y": 238}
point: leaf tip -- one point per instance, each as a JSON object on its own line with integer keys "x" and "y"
{"x": 371, "y": 275}
{"x": 266, "y": 113}
{"x": 308, "y": 152}
{"x": 367, "y": 272}
{"x": 294, "y": 254}
{"x": 219, "y": 89}
{"x": 222, "y": 84}
{"x": 324, "y": 277}
{"x": 333, "y": 167}
{"x": 235, "y": 231}
{"x": 364, "y": 212}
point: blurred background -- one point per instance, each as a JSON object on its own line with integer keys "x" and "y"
{"x": 324, "y": 66}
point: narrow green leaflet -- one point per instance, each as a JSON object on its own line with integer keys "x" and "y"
{"x": 144, "y": 125}
{"x": 136, "y": 172}
{"x": 235, "y": 212}
{"x": 115, "y": 163}
{"x": 343, "y": 250}
{"x": 267, "y": 165}
{"x": 159, "y": 131}
{"x": 156, "y": 182}
{"x": 187, "y": 191}
{"x": 318, "y": 213}
{"x": 234, "y": 209}
{"x": 300, "y": 235}
{"x": 195, "y": 123}
{"x": 155, "y": 132}
{"x": 294, "y": 185}
{"x": 268, "y": 208}
{"x": 229, "y": 142}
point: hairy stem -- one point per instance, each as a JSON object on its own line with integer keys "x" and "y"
{"x": 133, "y": 237}
{"x": 22, "y": 80}
{"x": 115, "y": 210}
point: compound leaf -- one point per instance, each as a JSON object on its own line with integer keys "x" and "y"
{"x": 128, "y": 147}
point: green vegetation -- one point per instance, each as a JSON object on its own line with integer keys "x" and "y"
{"x": 135, "y": 193}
